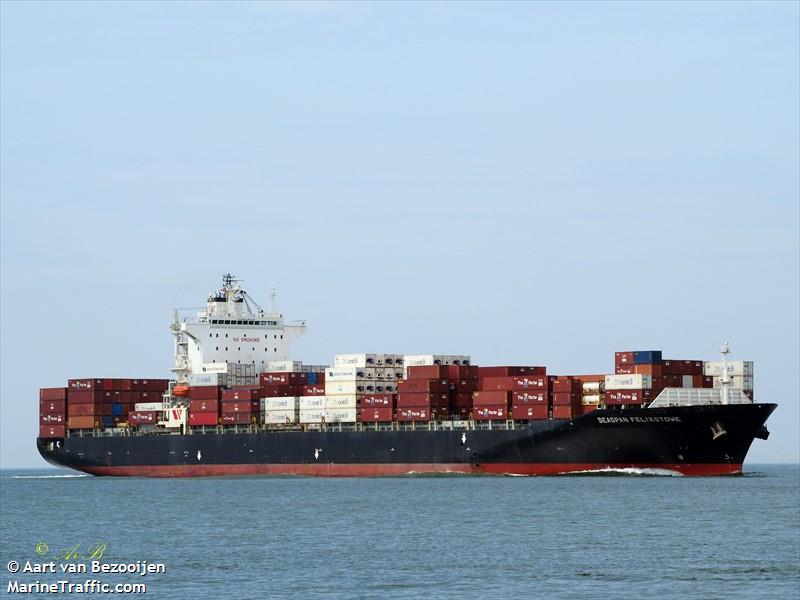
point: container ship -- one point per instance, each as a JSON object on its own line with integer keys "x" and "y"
{"x": 237, "y": 404}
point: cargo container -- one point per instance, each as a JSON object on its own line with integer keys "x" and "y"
{"x": 84, "y": 422}
{"x": 623, "y": 358}
{"x": 344, "y": 387}
{"x": 490, "y": 413}
{"x": 312, "y": 415}
{"x": 340, "y": 415}
{"x": 340, "y": 401}
{"x": 646, "y": 357}
{"x": 312, "y": 390}
{"x": 88, "y": 410}
{"x": 52, "y": 406}
{"x": 239, "y": 418}
{"x": 52, "y": 431}
{"x": 53, "y": 393}
{"x": 240, "y": 394}
{"x": 420, "y": 399}
{"x": 204, "y": 406}
{"x": 426, "y": 372}
{"x": 149, "y": 406}
{"x": 344, "y": 374}
{"x": 279, "y": 390}
{"x": 514, "y": 383}
{"x": 566, "y": 398}
{"x": 654, "y": 370}
{"x": 530, "y": 411}
{"x": 283, "y": 403}
{"x": 281, "y": 417}
{"x": 52, "y": 419}
{"x": 589, "y": 407}
{"x": 376, "y": 414}
{"x": 377, "y": 401}
{"x": 291, "y": 366}
{"x": 266, "y": 379}
{"x": 413, "y": 414}
{"x": 628, "y": 382}
{"x": 565, "y": 411}
{"x": 528, "y": 398}
{"x": 197, "y": 419}
{"x": 205, "y": 392}
{"x": 143, "y": 417}
{"x": 510, "y": 371}
{"x": 616, "y": 397}
{"x": 738, "y": 382}
{"x": 240, "y": 407}
{"x": 713, "y": 368}
{"x": 625, "y": 369}
{"x": 682, "y": 367}
{"x": 316, "y": 403}
{"x": 422, "y": 385}
{"x": 566, "y": 384}
{"x": 491, "y": 398}
{"x": 358, "y": 360}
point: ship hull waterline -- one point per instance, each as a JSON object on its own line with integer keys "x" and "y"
{"x": 696, "y": 440}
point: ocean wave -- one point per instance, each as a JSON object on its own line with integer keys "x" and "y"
{"x": 627, "y": 471}
{"x": 48, "y": 476}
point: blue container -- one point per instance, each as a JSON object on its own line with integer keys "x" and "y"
{"x": 647, "y": 357}
{"x": 108, "y": 421}
{"x": 116, "y": 410}
{"x": 312, "y": 378}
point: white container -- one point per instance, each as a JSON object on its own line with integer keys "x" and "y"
{"x": 628, "y": 382}
{"x": 342, "y": 387}
{"x": 420, "y": 360}
{"x": 315, "y": 415}
{"x": 284, "y": 366}
{"x": 358, "y": 360}
{"x": 738, "y": 382}
{"x": 202, "y": 379}
{"x": 280, "y": 403}
{"x": 686, "y": 381}
{"x": 340, "y": 415}
{"x": 735, "y": 367}
{"x": 312, "y": 402}
{"x": 342, "y": 401}
{"x": 280, "y": 417}
{"x": 149, "y": 406}
{"x": 592, "y": 387}
{"x": 220, "y": 367}
{"x": 591, "y": 399}
{"x": 344, "y": 374}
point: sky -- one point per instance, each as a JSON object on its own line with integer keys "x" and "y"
{"x": 527, "y": 183}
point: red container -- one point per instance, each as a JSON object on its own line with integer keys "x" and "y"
{"x": 53, "y": 419}
{"x": 427, "y": 372}
{"x": 708, "y": 381}
{"x": 489, "y": 413}
{"x": 616, "y": 397}
{"x": 52, "y": 406}
{"x": 312, "y": 390}
{"x": 431, "y": 386}
{"x": 414, "y": 414}
{"x": 530, "y": 411}
{"x": 490, "y": 398}
{"x": 274, "y": 391}
{"x": 697, "y": 381}
{"x": 204, "y": 406}
{"x": 240, "y": 395}
{"x": 86, "y": 396}
{"x": 202, "y": 418}
{"x": 239, "y": 418}
{"x": 566, "y": 399}
{"x": 623, "y": 358}
{"x": 53, "y": 393}
{"x": 240, "y": 407}
{"x": 566, "y": 384}
{"x": 52, "y": 431}
{"x": 123, "y": 385}
{"x": 528, "y": 398}
{"x": 149, "y": 385}
{"x": 283, "y": 378}
{"x": 514, "y": 383}
{"x": 565, "y": 412}
{"x": 626, "y": 369}
{"x": 587, "y": 408}
{"x": 85, "y": 384}
{"x": 420, "y": 399}
{"x": 141, "y": 417}
{"x": 204, "y": 392}
{"x": 461, "y": 372}
{"x": 461, "y": 399}
{"x": 656, "y": 370}
{"x": 376, "y": 414}
{"x": 85, "y": 422}
{"x": 88, "y": 410}
{"x": 466, "y": 385}
{"x": 378, "y": 401}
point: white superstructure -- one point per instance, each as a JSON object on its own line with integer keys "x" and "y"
{"x": 232, "y": 330}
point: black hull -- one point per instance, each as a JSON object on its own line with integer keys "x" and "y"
{"x": 698, "y": 440}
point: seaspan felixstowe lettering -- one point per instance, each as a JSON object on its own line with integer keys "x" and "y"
{"x": 238, "y": 405}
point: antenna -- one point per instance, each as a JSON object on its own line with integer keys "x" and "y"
{"x": 725, "y": 381}
{"x": 273, "y": 292}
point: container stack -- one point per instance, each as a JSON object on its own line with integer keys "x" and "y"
{"x": 377, "y": 408}
{"x": 739, "y": 371}
{"x": 524, "y": 389}
{"x": 424, "y": 395}
{"x": 204, "y": 405}
{"x": 147, "y": 401}
{"x": 52, "y": 412}
{"x": 567, "y": 395}
{"x": 429, "y": 360}
{"x": 354, "y": 377}
{"x": 462, "y": 382}
{"x": 280, "y": 393}
{"x": 628, "y": 390}
{"x": 592, "y": 390}
{"x": 240, "y": 406}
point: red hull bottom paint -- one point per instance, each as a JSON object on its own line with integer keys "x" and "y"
{"x": 387, "y": 470}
